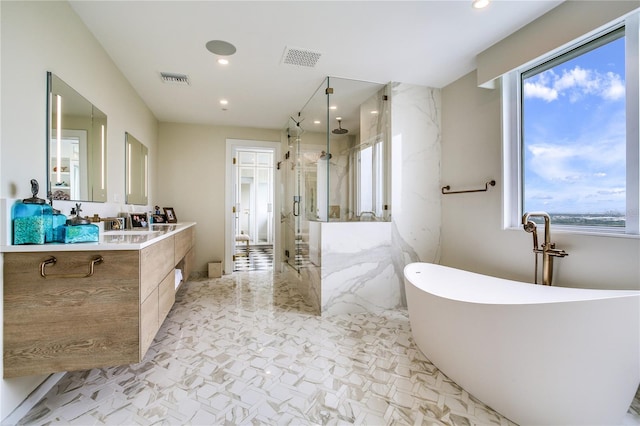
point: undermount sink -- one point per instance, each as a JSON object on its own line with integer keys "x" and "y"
{"x": 130, "y": 232}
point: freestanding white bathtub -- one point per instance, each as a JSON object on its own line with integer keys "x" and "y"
{"x": 536, "y": 354}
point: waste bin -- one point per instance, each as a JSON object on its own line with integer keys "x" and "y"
{"x": 215, "y": 269}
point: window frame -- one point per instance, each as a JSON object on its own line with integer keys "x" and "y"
{"x": 512, "y": 133}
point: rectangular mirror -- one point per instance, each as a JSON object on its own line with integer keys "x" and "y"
{"x": 76, "y": 145}
{"x": 137, "y": 169}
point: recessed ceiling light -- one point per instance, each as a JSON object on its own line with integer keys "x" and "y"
{"x": 333, "y": 107}
{"x": 316, "y": 122}
{"x": 480, "y": 4}
{"x": 223, "y": 61}
{"x": 338, "y": 118}
{"x": 374, "y": 112}
{"x": 220, "y": 47}
{"x": 224, "y": 102}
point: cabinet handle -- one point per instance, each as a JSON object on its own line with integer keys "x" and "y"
{"x": 52, "y": 261}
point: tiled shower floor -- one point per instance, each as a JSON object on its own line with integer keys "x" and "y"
{"x": 245, "y": 349}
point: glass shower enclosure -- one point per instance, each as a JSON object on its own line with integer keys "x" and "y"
{"x": 336, "y": 164}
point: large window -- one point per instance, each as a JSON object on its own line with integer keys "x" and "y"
{"x": 575, "y": 126}
{"x": 370, "y": 179}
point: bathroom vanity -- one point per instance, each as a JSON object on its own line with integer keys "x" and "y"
{"x": 80, "y": 306}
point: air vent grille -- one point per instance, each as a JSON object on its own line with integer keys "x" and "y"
{"x": 301, "y": 57}
{"x": 171, "y": 78}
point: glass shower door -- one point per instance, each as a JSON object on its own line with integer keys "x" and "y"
{"x": 291, "y": 178}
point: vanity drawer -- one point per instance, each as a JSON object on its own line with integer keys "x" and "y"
{"x": 166, "y": 295}
{"x": 184, "y": 241}
{"x": 39, "y": 313}
{"x": 148, "y": 321}
{"x": 155, "y": 263}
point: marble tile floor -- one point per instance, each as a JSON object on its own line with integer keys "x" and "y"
{"x": 245, "y": 349}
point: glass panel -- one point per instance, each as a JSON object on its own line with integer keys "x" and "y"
{"x": 321, "y": 175}
{"x": 574, "y": 136}
{"x": 265, "y": 159}
{"x": 254, "y": 200}
{"x": 247, "y": 158}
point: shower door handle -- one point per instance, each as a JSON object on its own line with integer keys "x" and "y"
{"x": 296, "y": 205}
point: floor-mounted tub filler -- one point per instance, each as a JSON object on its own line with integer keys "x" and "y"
{"x": 536, "y": 354}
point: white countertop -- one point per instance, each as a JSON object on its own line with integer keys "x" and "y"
{"x": 135, "y": 239}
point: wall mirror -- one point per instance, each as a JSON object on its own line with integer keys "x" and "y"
{"x": 76, "y": 145}
{"x": 136, "y": 170}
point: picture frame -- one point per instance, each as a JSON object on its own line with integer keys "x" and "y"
{"x": 170, "y": 214}
{"x": 159, "y": 218}
{"x": 139, "y": 220}
{"x": 116, "y": 224}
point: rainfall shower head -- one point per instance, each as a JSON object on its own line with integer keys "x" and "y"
{"x": 339, "y": 130}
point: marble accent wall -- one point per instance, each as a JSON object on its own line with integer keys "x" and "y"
{"x": 357, "y": 272}
{"x": 415, "y": 175}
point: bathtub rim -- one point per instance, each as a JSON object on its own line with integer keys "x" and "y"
{"x": 503, "y": 290}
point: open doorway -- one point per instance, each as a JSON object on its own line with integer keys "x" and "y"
{"x": 254, "y": 193}
{"x": 252, "y": 204}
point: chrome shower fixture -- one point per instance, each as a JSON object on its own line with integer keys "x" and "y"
{"x": 339, "y": 130}
{"x": 325, "y": 155}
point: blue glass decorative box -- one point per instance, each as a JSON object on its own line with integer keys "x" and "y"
{"x": 32, "y": 223}
{"x": 32, "y": 219}
{"x": 59, "y": 220}
{"x": 80, "y": 234}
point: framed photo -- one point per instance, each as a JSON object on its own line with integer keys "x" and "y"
{"x": 139, "y": 220}
{"x": 118, "y": 223}
{"x": 170, "y": 214}
{"x": 159, "y": 218}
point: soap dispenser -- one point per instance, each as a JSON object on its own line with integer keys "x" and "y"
{"x": 32, "y": 219}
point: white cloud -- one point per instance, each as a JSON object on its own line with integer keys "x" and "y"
{"x": 537, "y": 90}
{"x": 616, "y": 89}
{"x": 575, "y": 84}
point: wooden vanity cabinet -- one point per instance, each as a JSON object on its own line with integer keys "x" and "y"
{"x": 110, "y": 318}
{"x": 59, "y": 324}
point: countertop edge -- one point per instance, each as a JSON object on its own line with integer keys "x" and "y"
{"x": 124, "y": 245}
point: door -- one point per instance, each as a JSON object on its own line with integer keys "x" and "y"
{"x": 252, "y": 233}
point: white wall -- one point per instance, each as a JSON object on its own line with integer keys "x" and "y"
{"x": 191, "y": 179}
{"x": 37, "y": 37}
{"x": 472, "y": 237}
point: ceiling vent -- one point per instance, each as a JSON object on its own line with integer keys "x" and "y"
{"x": 171, "y": 78}
{"x": 301, "y": 57}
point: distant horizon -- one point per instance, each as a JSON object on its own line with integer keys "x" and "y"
{"x": 609, "y": 219}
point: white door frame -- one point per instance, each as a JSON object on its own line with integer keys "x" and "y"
{"x": 229, "y": 238}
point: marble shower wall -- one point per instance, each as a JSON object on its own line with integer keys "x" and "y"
{"x": 415, "y": 175}
{"x": 357, "y": 272}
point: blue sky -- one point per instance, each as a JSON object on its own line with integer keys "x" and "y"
{"x": 574, "y": 134}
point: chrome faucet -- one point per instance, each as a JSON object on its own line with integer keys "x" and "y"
{"x": 548, "y": 249}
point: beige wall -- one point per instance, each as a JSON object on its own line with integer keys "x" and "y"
{"x": 37, "y": 37}
{"x": 191, "y": 179}
{"x": 472, "y": 235}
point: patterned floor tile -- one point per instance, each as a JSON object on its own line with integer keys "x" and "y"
{"x": 255, "y": 258}
{"x": 246, "y": 349}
